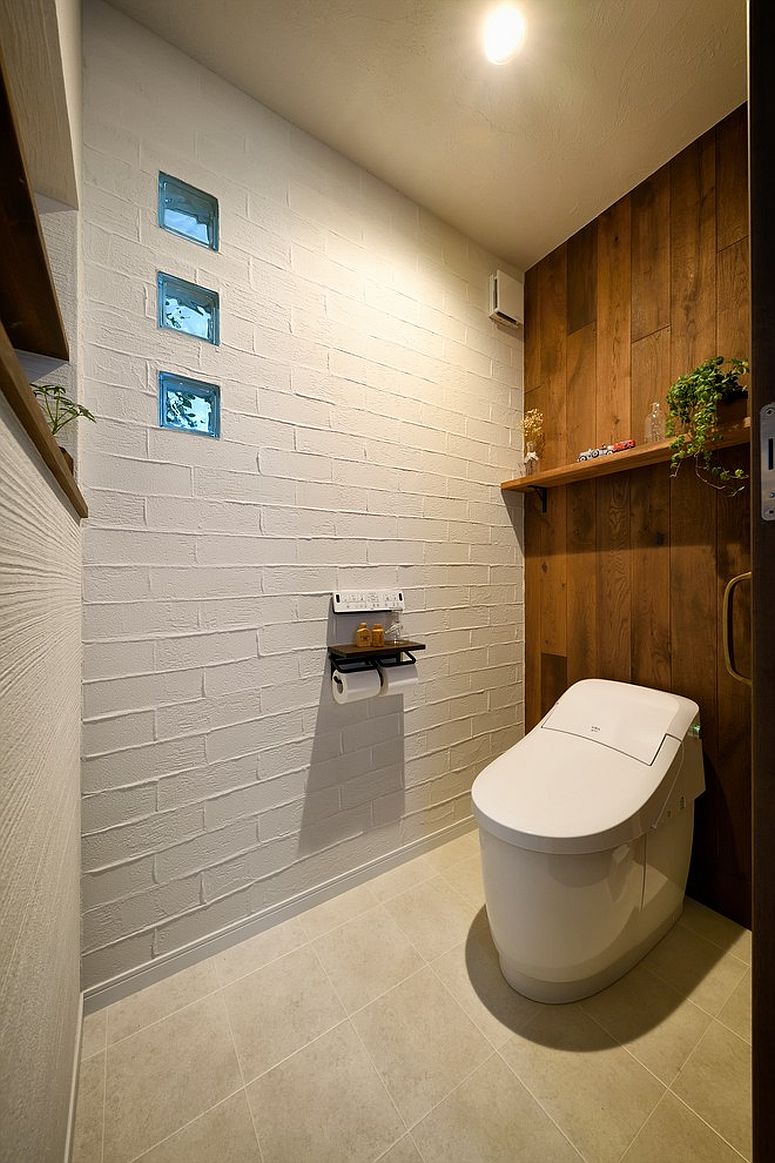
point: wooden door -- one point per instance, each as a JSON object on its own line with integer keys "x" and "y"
{"x": 761, "y": 93}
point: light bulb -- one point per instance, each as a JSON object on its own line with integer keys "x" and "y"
{"x": 504, "y": 32}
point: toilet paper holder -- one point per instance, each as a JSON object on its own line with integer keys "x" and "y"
{"x": 348, "y": 658}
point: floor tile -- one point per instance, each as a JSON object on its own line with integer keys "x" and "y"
{"x": 716, "y": 1083}
{"x": 593, "y": 1089}
{"x": 696, "y": 968}
{"x": 280, "y": 1008}
{"x": 675, "y": 1132}
{"x": 461, "y": 848}
{"x": 225, "y": 1132}
{"x": 323, "y": 918}
{"x": 367, "y": 957}
{"x": 466, "y": 876}
{"x": 402, "y": 878}
{"x": 720, "y": 930}
{"x": 403, "y": 1152}
{"x": 433, "y": 915}
{"x": 325, "y": 1103}
{"x": 165, "y": 1075}
{"x": 257, "y": 951}
{"x": 94, "y": 1033}
{"x": 421, "y": 1041}
{"x": 87, "y": 1132}
{"x": 473, "y": 975}
{"x": 737, "y": 1012}
{"x": 159, "y": 1000}
{"x": 491, "y": 1118}
{"x": 655, "y": 1022}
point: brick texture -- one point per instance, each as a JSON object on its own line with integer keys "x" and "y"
{"x": 370, "y": 411}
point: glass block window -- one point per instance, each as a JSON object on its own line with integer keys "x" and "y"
{"x": 189, "y": 405}
{"x": 189, "y": 212}
{"x": 186, "y": 307}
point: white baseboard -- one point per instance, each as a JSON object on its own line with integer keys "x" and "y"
{"x": 107, "y": 992}
{"x": 74, "y": 1083}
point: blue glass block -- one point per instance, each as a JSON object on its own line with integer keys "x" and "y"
{"x": 189, "y": 212}
{"x": 186, "y": 307}
{"x": 189, "y": 405}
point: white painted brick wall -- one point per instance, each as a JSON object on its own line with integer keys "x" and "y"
{"x": 370, "y": 410}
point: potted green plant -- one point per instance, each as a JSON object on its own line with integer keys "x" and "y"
{"x": 59, "y": 410}
{"x": 693, "y": 403}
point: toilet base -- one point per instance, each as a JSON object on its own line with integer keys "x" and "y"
{"x": 562, "y": 992}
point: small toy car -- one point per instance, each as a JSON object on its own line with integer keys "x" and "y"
{"x": 606, "y": 450}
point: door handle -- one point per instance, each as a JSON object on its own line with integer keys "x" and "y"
{"x": 728, "y": 632}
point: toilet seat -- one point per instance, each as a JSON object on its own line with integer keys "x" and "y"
{"x": 591, "y": 775}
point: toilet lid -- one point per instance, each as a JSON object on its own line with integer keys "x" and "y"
{"x": 568, "y": 794}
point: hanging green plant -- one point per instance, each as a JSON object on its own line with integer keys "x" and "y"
{"x": 692, "y": 419}
{"x": 57, "y": 406}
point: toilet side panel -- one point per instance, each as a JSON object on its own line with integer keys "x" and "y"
{"x": 559, "y": 917}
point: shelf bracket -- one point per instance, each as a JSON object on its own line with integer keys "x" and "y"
{"x": 540, "y": 491}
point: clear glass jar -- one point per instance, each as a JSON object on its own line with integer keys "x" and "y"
{"x": 654, "y": 428}
{"x": 395, "y": 631}
{"x": 531, "y": 458}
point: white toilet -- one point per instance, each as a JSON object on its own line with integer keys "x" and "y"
{"x": 586, "y": 833}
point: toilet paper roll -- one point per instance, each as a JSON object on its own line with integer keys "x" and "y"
{"x": 355, "y": 685}
{"x": 396, "y": 680}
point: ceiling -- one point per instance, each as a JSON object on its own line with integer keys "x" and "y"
{"x": 517, "y": 156}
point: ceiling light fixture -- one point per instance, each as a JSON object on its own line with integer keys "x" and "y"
{"x": 504, "y": 33}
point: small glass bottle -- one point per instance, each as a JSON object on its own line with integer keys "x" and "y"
{"x": 362, "y": 636}
{"x": 395, "y": 631}
{"x": 655, "y": 424}
{"x": 377, "y": 635}
{"x": 531, "y": 458}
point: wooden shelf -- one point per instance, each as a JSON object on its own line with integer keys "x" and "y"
{"x": 353, "y": 653}
{"x": 639, "y": 457}
{"x": 29, "y": 309}
{"x": 14, "y": 386}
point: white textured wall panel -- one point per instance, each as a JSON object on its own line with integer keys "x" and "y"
{"x": 370, "y": 410}
{"x": 40, "y": 672}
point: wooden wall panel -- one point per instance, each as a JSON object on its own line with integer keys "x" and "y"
{"x": 624, "y": 574}
{"x": 651, "y": 255}
{"x": 614, "y": 582}
{"x": 732, "y": 187}
{"x": 650, "y": 562}
{"x": 614, "y": 341}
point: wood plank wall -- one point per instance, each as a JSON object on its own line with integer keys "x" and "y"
{"x": 625, "y": 574}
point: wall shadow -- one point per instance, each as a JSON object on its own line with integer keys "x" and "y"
{"x": 357, "y": 766}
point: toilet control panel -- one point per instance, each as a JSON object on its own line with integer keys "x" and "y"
{"x": 353, "y": 601}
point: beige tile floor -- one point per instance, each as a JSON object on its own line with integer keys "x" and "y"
{"x": 377, "y": 1027}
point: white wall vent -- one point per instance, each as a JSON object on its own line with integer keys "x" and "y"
{"x": 507, "y": 297}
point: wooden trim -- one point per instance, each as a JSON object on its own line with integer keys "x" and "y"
{"x": 29, "y": 309}
{"x": 20, "y": 396}
{"x": 585, "y": 470}
{"x": 761, "y": 104}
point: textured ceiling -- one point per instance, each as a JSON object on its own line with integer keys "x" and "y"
{"x": 517, "y": 156}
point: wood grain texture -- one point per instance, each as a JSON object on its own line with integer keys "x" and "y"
{"x": 552, "y": 300}
{"x": 650, "y": 377}
{"x": 651, "y": 255}
{"x": 581, "y": 549}
{"x": 693, "y": 255}
{"x": 650, "y": 563}
{"x": 732, "y": 187}
{"x": 614, "y": 577}
{"x": 29, "y": 308}
{"x": 630, "y": 565}
{"x": 580, "y": 432}
{"x": 614, "y": 343}
{"x": 582, "y": 278}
